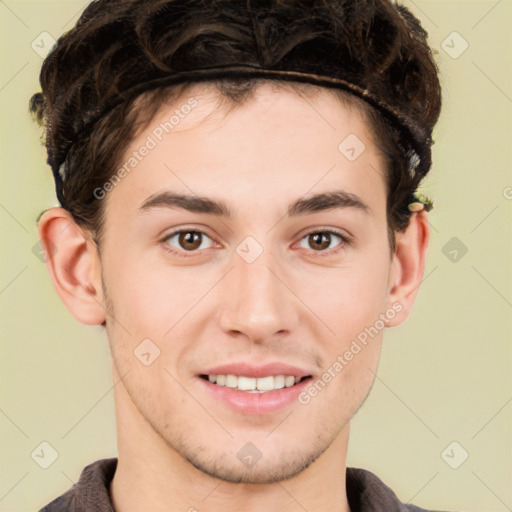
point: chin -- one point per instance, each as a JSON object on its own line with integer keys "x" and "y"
{"x": 229, "y": 468}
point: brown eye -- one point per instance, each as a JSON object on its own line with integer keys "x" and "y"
{"x": 319, "y": 241}
{"x": 322, "y": 241}
{"x": 188, "y": 240}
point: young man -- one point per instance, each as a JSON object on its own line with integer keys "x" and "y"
{"x": 238, "y": 186}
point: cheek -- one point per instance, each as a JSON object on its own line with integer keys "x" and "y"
{"x": 158, "y": 303}
{"x": 347, "y": 298}
{"x": 153, "y": 297}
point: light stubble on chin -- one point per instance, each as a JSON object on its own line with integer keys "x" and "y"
{"x": 227, "y": 467}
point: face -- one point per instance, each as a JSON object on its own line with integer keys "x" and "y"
{"x": 245, "y": 251}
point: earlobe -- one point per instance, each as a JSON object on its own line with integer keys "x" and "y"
{"x": 73, "y": 263}
{"x": 408, "y": 266}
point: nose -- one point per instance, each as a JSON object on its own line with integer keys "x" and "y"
{"x": 258, "y": 302}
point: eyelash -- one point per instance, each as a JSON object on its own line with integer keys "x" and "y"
{"x": 345, "y": 240}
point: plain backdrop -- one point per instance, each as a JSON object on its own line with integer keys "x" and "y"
{"x": 443, "y": 388}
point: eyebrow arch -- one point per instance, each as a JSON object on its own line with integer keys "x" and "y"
{"x": 315, "y": 203}
{"x": 327, "y": 201}
{"x": 195, "y": 204}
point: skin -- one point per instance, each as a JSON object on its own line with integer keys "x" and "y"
{"x": 294, "y": 304}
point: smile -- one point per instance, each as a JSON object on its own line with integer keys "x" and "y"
{"x": 253, "y": 384}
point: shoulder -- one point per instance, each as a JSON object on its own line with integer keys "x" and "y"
{"x": 366, "y": 492}
{"x": 60, "y": 504}
{"x": 91, "y": 488}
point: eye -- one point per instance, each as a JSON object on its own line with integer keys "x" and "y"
{"x": 187, "y": 240}
{"x": 320, "y": 241}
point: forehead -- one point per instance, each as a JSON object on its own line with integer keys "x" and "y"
{"x": 276, "y": 138}
{"x": 221, "y": 98}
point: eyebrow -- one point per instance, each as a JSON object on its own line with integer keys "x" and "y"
{"x": 336, "y": 199}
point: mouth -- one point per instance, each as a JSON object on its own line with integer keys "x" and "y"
{"x": 259, "y": 385}
{"x": 255, "y": 389}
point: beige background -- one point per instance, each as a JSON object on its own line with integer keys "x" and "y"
{"x": 444, "y": 376}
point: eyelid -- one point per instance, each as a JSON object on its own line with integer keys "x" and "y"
{"x": 326, "y": 229}
{"x": 345, "y": 238}
{"x": 182, "y": 252}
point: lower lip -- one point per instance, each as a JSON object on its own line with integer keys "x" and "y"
{"x": 256, "y": 403}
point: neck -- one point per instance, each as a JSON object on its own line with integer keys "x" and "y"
{"x": 151, "y": 475}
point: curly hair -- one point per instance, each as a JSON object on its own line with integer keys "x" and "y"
{"x": 95, "y": 80}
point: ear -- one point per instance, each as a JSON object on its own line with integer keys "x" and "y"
{"x": 73, "y": 262}
{"x": 408, "y": 266}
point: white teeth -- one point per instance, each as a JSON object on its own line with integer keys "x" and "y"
{"x": 246, "y": 383}
{"x": 289, "y": 381}
{"x": 231, "y": 381}
{"x": 254, "y": 385}
{"x": 265, "y": 383}
{"x": 279, "y": 381}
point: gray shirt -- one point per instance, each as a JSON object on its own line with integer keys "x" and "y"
{"x": 365, "y": 492}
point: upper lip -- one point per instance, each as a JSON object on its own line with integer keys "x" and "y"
{"x": 251, "y": 370}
